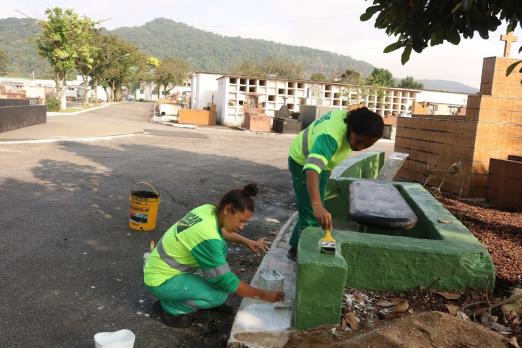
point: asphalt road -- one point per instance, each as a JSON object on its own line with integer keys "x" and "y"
{"x": 70, "y": 267}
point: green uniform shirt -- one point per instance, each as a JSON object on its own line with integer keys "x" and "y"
{"x": 194, "y": 242}
{"x": 323, "y": 144}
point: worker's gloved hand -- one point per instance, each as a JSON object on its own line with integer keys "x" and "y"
{"x": 273, "y": 296}
{"x": 259, "y": 246}
{"x": 323, "y": 217}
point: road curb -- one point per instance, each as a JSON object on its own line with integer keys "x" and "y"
{"x": 52, "y": 113}
{"x": 58, "y": 140}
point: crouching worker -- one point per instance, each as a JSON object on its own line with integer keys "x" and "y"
{"x": 196, "y": 243}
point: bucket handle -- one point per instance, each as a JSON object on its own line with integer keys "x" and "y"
{"x": 147, "y": 184}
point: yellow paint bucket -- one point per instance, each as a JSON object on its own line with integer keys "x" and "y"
{"x": 144, "y": 205}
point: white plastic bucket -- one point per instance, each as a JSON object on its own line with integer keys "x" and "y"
{"x": 118, "y": 339}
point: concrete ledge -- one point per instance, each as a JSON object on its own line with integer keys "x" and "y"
{"x": 321, "y": 282}
{"x": 262, "y": 324}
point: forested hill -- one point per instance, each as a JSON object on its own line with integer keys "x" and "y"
{"x": 165, "y": 38}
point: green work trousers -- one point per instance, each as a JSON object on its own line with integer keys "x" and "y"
{"x": 186, "y": 293}
{"x": 305, "y": 214}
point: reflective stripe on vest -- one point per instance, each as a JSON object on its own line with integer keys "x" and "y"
{"x": 316, "y": 161}
{"x": 218, "y": 271}
{"x": 169, "y": 260}
{"x": 304, "y": 144}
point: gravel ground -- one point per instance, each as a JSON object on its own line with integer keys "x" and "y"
{"x": 500, "y": 231}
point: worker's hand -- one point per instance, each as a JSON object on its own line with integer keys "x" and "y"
{"x": 273, "y": 296}
{"x": 258, "y": 246}
{"x": 323, "y": 216}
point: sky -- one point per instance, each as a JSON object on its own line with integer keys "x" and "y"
{"x": 331, "y": 25}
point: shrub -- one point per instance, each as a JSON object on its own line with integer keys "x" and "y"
{"x": 53, "y": 104}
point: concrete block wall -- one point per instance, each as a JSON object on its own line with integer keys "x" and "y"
{"x": 436, "y": 143}
{"x": 14, "y": 117}
{"x": 198, "y": 117}
{"x": 492, "y": 128}
{"x": 505, "y": 183}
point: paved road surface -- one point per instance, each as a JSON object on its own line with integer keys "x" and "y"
{"x": 70, "y": 266}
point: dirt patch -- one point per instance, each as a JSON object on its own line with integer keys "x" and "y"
{"x": 500, "y": 231}
{"x": 429, "y": 329}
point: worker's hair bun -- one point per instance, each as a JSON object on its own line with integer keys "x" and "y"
{"x": 250, "y": 189}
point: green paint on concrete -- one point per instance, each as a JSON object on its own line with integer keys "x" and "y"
{"x": 438, "y": 247}
{"x": 322, "y": 278}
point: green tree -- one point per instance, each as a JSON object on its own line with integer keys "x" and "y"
{"x": 115, "y": 65}
{"x": 420, "y": 23}
{"x": 3, "y": 62}
{"x": 318, "y": 77}
{"x": 409, "y": 82}
{"x": 250, "y": 68}
{"x": 170, "y": 72}
{"x": 86, "y": 54}
{"x": 350, "y": 76}
{"x": 283, "y": 68}
{"x": 381, "y": 78}
{"x": 275, "y": 67}
{"x": 60, "y": 41}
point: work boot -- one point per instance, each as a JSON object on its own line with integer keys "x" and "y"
{"x": 292, "y": 254}
{"x": 177, "y": 321}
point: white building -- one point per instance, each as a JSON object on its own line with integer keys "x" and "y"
{"x": 204, "y": 89}
{"x": 232, "y": 92}
{"x": 442, "y": 103}
{"x": 41, "y": 89}
{"x": 149, "y": 91}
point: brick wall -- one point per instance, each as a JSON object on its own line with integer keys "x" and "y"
{"x": 492, "y": 128}
{"x": 505, "y": 183}
{"x": 198, "y": 117}
{"x": 436, "y": 143}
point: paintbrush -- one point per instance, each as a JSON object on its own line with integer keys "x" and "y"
{"x": 327, "y": 244}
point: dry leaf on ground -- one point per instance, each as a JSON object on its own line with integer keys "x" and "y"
{"x": 449, "y": 295}
{"x": 513, "y": 342}
{"x": 359, "y": 298}
{"x": 352, "y": 320}
{"x": 343, "y": 324}
{"x": 462, "y": 315}
{"x": 452, "y": 309}
{"x": 489, "y": 322}
{"x": 396, "y": 300}
{"x": 401, "y": 307}
{"x": 384, "y": 304}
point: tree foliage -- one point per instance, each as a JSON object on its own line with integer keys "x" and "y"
{"x": 409, "y": 82}
{"x": 65, "y": 39}
{"x": 165, "y": 38}
{"x": 171, "y": 71}
{"x": 275, "y": 67}
{"x": 116, "y": 64}
{"x": 3, "y": 62}
{"x": 380, "y": 77}
{"x": 350, "y": 76}
{"x": 418, "y": 24}
{"x": 320, "y": 77}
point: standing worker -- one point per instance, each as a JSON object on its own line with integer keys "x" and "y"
{"x": 196, "y": 242}
{"x": 316, "y": 151}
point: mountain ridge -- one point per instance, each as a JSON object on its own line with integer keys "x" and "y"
{"x": 206, "y": 51}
